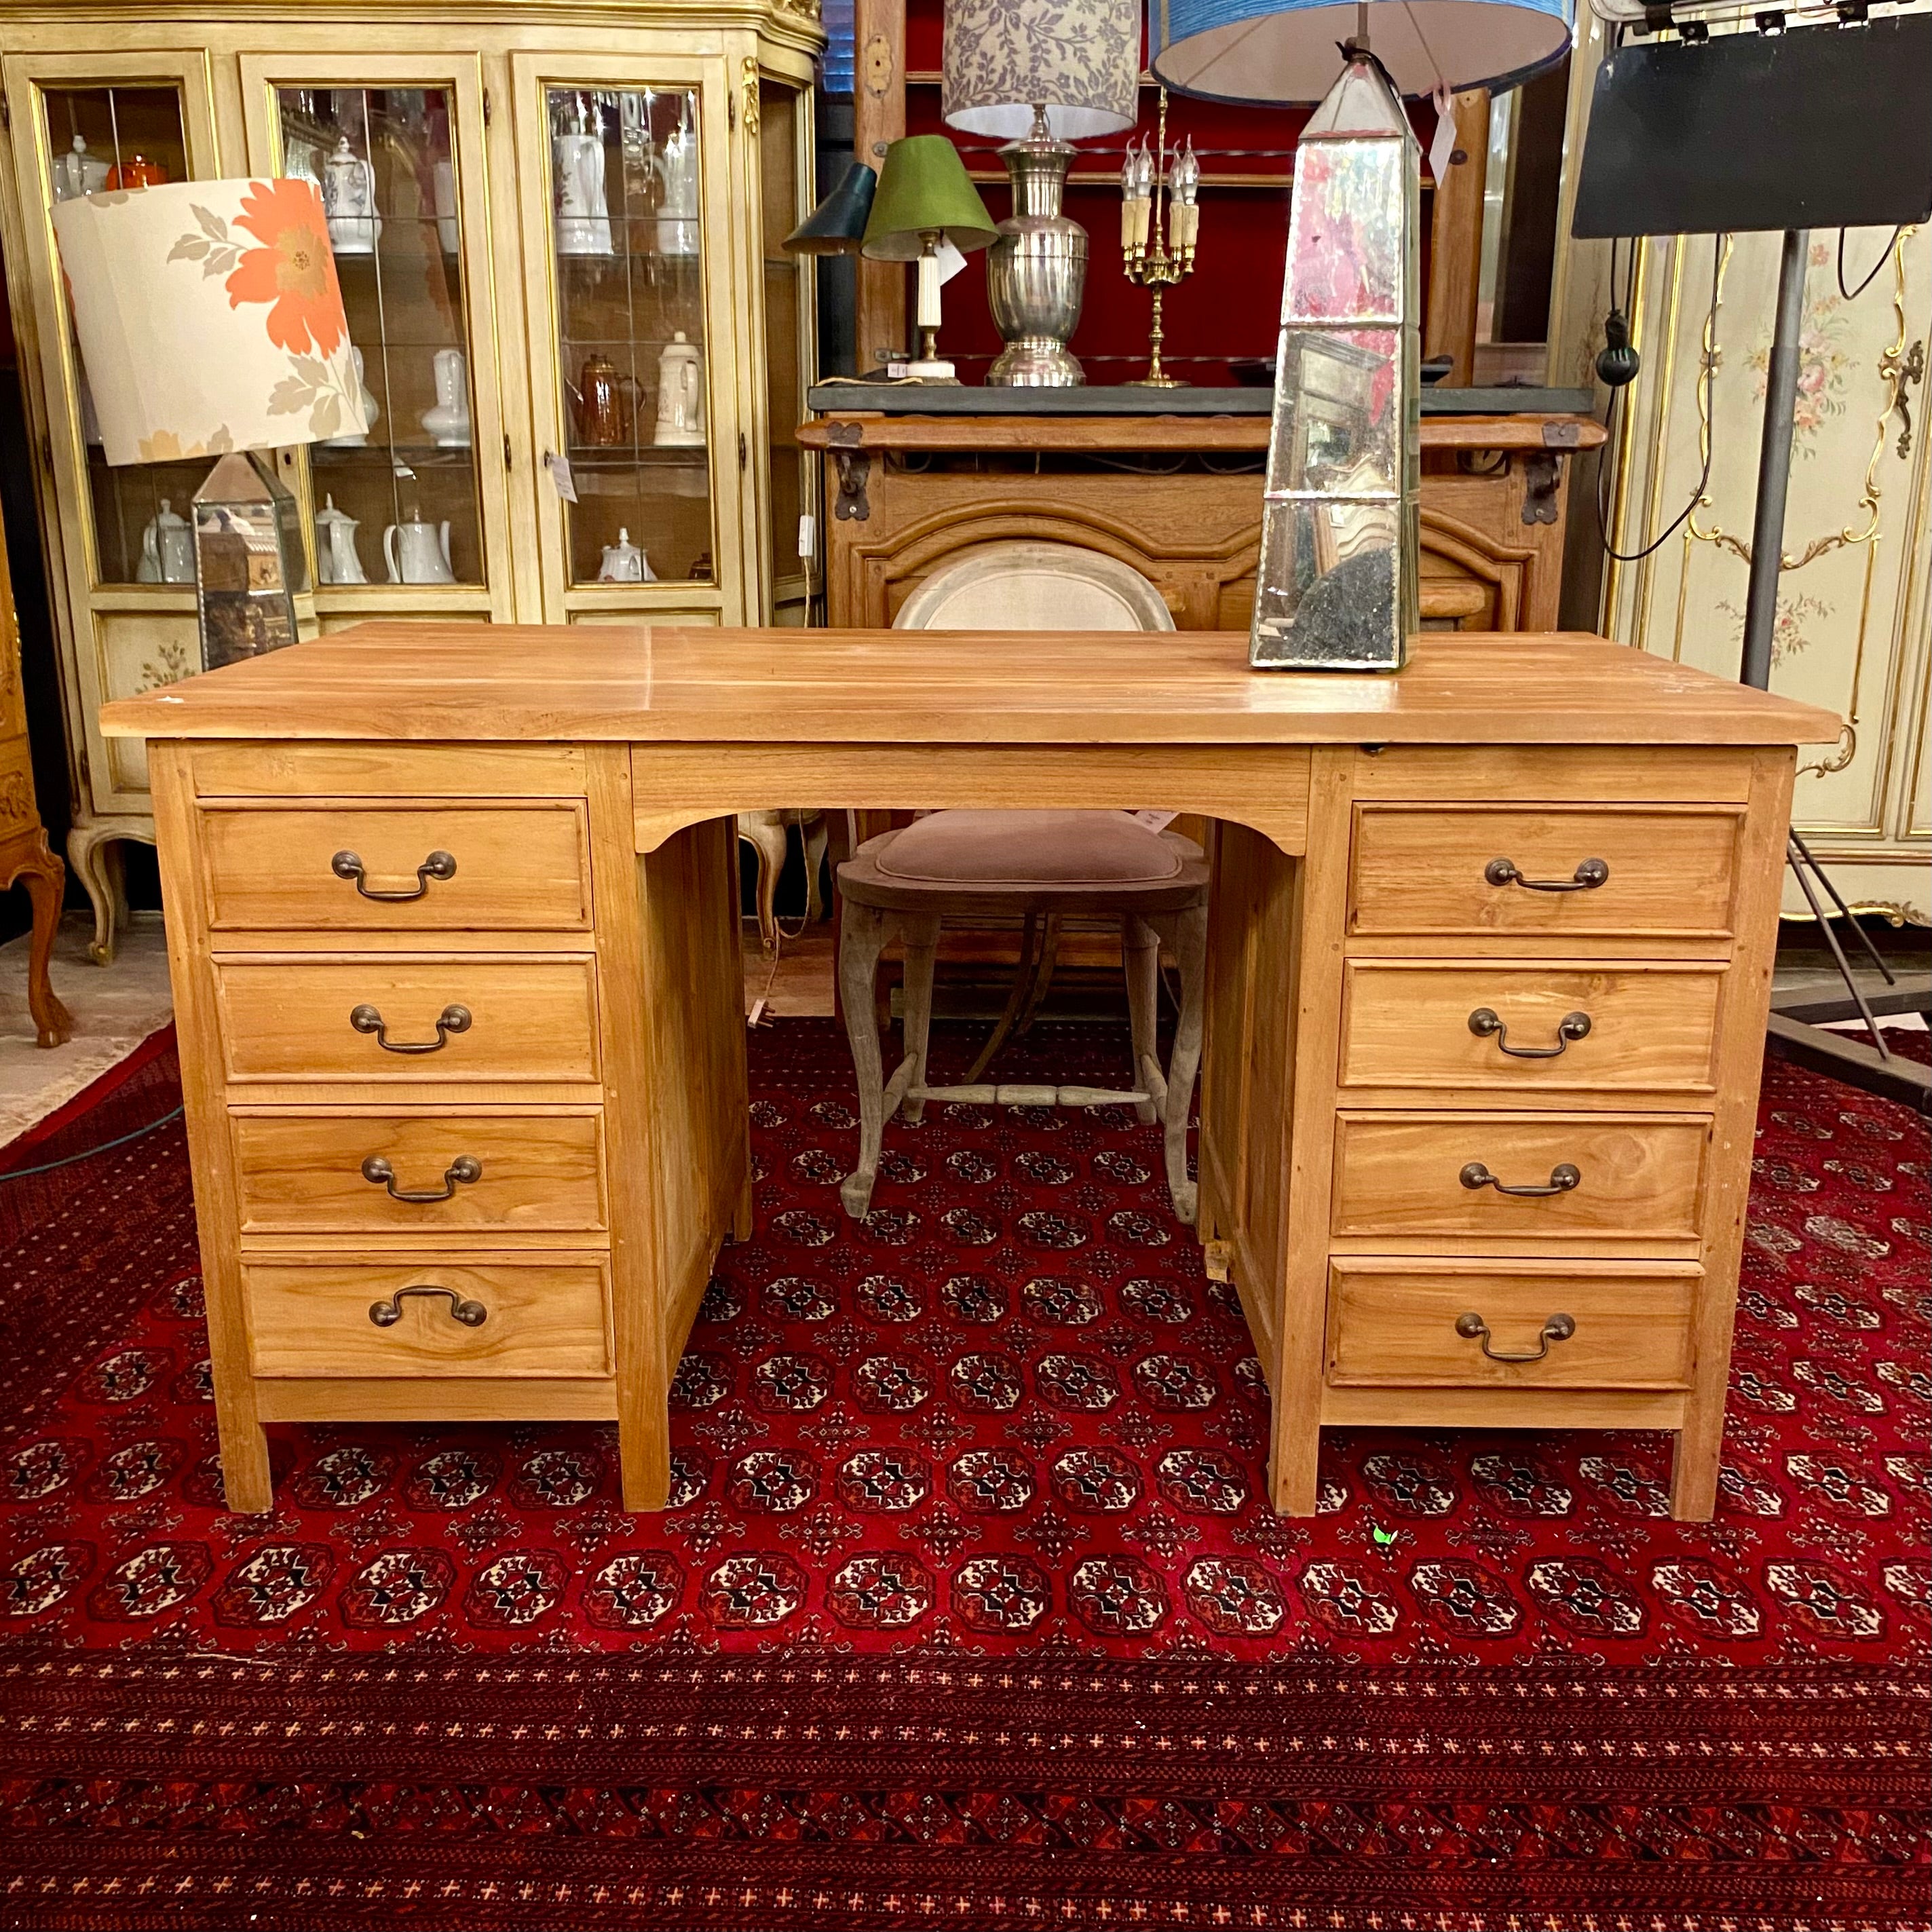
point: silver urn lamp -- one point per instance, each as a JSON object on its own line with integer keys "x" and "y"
{"x": 1046, "y": 73}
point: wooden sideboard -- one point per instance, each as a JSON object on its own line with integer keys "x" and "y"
{"x": 454, "y": 956}
{"x": 1179, "y": 498}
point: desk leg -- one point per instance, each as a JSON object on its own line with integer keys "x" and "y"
{"x": 245, "y": 1479}
{"x": 677, "y": 1124}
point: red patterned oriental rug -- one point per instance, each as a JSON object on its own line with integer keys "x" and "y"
{"x": 970, "y": 1613}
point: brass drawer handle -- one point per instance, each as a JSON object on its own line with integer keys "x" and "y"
{"x": 1483, "y": 1024}
{"x": 387, "y": 1314}
{"x": 1590, "y": 874}
{"x": 1473, "y": 1328}
{"x": 451, "y": 1019}
{"x": 1561, "y": 1180}
{"x": 464, "y": 1168}
{"x": 437, "y": 865}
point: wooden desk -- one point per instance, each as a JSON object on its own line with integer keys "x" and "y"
{"x": 560, "y": 1007}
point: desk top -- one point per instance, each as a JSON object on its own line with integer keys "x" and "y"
{"x": 482, "y": 683}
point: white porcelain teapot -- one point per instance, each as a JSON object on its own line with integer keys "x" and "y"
{"x": 625, "y": 563}
{"x": 680, "y": 423}
{"x": 78, "y": 173}
{"x": 417, "y": 552}
{"x": 336, "y": 558}
{"x": 167, "y": 548}
{"x": 349, "y": 200}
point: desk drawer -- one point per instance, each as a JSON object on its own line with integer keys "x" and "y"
{"x": 460, "y": 1019}
{"x": 1605, "y": 1176}
{"x": 1453, "y": 1023}
{"x": 1394, "y": 1325}
{"x": 416, "y": 868}
{"x": 535, "y": 1319}
{"x": 1662, "y": 872}
{"x": 484, "y": 1173}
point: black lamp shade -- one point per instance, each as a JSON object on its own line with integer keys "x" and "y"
{"x": 838, "y": 224}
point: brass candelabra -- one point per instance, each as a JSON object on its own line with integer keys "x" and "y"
{"x": 1159, "y": 222}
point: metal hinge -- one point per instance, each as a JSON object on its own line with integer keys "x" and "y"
{"x": 744, "y": 450}
{"x": 507, "y": 464}
{"x": 6, "y": 112}
{"x": 731, "y": 112}
{"x": 487, "y": 109}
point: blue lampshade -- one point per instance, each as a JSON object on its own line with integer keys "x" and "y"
{"x": 1286, "y": 50}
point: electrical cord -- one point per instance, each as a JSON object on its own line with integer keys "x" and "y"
{"x": 1603, "y": 467}
{"x": 1884, "y": 256}
{"x": 88, "y": 1154}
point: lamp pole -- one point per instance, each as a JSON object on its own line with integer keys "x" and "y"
{"x": 1774, "y": 462}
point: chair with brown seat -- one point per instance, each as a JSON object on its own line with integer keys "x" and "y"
{"x": 1039, "y": 866}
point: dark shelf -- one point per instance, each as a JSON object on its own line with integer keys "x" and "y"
{"x": 909, "y": 399}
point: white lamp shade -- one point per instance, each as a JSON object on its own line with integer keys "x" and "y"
{"x": 1079, "y": 59}
{"x": 1286, "y": 50}
{"x": 209, "y": 318}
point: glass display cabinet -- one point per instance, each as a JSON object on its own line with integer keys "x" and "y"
{"x": 559, "y": 253}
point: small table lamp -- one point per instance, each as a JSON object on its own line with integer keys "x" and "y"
{"x": 211, "y": 323}
{"x": 1042, "y": 73}
{"x": 924, "y": 198}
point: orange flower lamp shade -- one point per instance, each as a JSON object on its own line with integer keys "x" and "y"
{"x": 209, "y": 318}
{"x": 210, "y": 321}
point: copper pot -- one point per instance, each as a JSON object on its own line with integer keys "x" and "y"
{"x": 604, "y": 411}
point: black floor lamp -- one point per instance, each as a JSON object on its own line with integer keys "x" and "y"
{"x": 1786, "y": 126}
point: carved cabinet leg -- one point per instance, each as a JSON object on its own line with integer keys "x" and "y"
{"x": 94, "y": 853}
{"x": 45, "y": 878}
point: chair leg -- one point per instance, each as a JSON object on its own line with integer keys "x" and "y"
{"x": 1042, "y": 977}
{"x": 919, "y": 936}
{"x": 1140, "y": 953}
{"x": 1016, "y": 1000}
{"x": 862, "y": 940}
{"x": 815, "y": 834}
{"x": 1190, "y": 946}
{"x": 768, "y": 841}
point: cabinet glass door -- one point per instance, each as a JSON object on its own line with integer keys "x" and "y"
{"x": 627, "y": 242}
{"x": 401, "y": 504}
{"x": 785, "y": 160}
{"x": 98, "y": 138}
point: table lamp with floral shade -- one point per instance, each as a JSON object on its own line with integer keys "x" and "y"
{"x": 211, "y": 323}
{"x": 1337, "y": 581}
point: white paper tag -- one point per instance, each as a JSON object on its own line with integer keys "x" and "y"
{"x": 1154, "y": 821}
{"x": 808, "y": 537}
{"x": 950, "y": 262}
{"x": 1444, "y": 144}
{"x": 559, "y": 467}
{"x": 895, "y": 369}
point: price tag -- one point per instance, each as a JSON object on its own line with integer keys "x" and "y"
{"x": 559, "y": 467}
{"x": 808, "y": 537}
{"x": 1155, "y": 821}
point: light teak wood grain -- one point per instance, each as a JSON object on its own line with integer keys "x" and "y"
{"x": 1393, "y": 1324}
{"x": 657, "y": 684}
{"x": 541, "y": 1318}
{"x": 1420, "y": 870}
{"x": 1405, "y": 1024}
{"x": 518, "y": 867}
{"x": 530, "y": 1019}
{"x": 1398, "y": 1177}
{"x": 302, "y": 1173}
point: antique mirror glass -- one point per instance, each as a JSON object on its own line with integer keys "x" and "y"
{"x": 1335, "y": 585}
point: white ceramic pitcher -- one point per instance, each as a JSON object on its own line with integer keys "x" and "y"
{"x": 418, "y": 552}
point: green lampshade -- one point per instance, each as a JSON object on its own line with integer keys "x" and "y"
{"x": 923, "y": 187}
